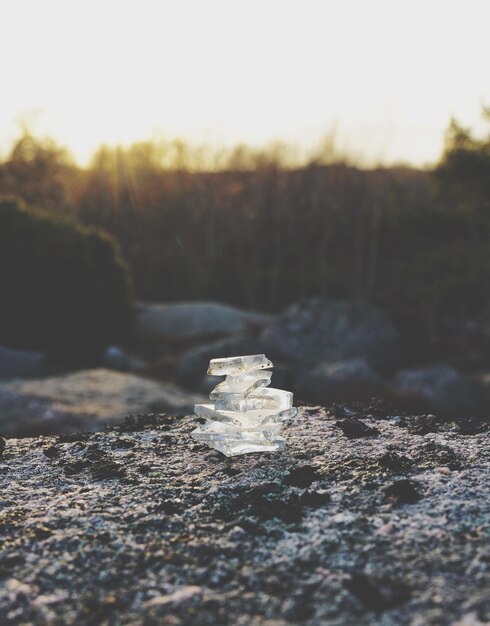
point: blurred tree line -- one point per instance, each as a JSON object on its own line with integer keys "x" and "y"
{"x": 257, "y": 229}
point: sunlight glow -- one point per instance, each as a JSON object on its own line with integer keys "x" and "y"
{"x": 387, "y": 75}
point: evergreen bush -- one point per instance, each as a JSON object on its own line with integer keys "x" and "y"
{"x": 64, "y": 289}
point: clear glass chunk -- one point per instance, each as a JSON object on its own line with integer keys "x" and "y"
{"x": 213, "y": 430}
{"x": 236, "y": 365}
{"x": 264, "y": 399}
{"x": 241, "y": 385}
{"x": 243, "y": 442}
{"x": 244, "y": 419}
{"x": 246, "y": 415}
{"x": 276, "y": 399}
{"x": 232, "y": 441}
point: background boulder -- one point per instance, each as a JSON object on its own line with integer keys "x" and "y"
{"x": 21, "y": 363}
{"x": 337, "y": 382}
{"x": 195, "y": 321}
{"x": 440, "y": 389}
{"x": 86, "y": 400}
{"x": 317, "y": 330}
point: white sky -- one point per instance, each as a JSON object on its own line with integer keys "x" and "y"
{"x": 387, "y": 74}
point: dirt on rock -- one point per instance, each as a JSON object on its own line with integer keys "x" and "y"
{"x": 140, "y": 525}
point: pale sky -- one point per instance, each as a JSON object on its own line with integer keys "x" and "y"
{"x": 386, "y": 74}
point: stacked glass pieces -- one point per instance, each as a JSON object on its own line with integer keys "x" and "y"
{"x": 246, "y": 415}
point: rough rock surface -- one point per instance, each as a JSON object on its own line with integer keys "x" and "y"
{"x": 86, "y": 399}
{"x": 368, "y": 517}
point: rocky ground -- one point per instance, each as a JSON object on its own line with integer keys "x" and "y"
{"x": 368, "y": 517}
